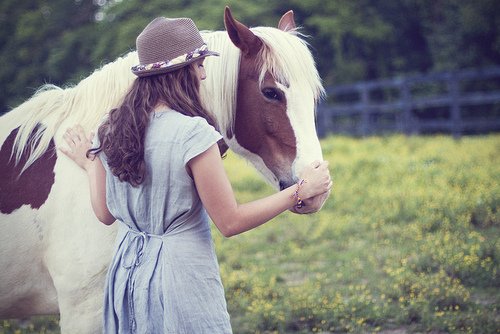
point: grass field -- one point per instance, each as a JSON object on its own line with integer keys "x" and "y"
{"x": 407, "y": 243}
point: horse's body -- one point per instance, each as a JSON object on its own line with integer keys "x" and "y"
{"x": 55, "y": 253}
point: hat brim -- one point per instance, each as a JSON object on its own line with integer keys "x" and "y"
{"x": 163, "y": 70}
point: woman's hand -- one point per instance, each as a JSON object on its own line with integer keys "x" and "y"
{"x": 312, "y": 204}
{"x": 316, "y": 188}
{"x": 317, "y": 180}
{"x": 78, "y": 144}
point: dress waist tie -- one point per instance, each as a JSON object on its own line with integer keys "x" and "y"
{"x": 131, "y": 258}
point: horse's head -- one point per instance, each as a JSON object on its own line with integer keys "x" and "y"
{"x": 278, "y": 87}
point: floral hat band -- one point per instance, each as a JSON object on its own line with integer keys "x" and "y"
{"x": 167, "y": 44}
{"x": 193, "y": 55}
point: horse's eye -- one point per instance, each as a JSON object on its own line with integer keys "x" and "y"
{"x": 272, "y": 94}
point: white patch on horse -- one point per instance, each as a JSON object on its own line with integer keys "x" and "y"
{"x": 299, "y": 105}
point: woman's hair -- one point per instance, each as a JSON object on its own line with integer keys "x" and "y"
{"x": 122, "y": 134}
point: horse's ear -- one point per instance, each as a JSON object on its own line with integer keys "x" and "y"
{"x": 240, "y": 35}
{"x": 287, "y": 22}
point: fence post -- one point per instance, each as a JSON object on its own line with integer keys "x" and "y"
{"x": 406, "y": 103}
{"x": 321, "y": 127}
{"x": 454, "y": 94}
{"x": 364, "y": 127}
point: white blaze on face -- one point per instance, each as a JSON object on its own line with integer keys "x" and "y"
{"x": 300, "y": 111}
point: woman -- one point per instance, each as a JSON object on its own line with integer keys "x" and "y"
{"x": 158, "y": 172}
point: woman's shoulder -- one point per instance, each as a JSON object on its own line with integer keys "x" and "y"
{"x": 171, "y": 114}
{"x": 183, "y": 122}
{"x": 175, "y": 126}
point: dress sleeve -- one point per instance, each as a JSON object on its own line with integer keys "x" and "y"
{"x": 199, "y": 137}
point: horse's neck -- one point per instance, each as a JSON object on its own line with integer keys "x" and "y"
{"x": 105, "y": 88}
{"x": 88, "y": 101}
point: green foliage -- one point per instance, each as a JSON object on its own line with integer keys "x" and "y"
{"x": 42, "y": 41}
{"x": 61, "y": 42}
{"x": 39, "y": 325}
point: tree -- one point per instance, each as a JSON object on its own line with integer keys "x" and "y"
{"x": 42, "y": 41}
{"x": 62, "y": 41}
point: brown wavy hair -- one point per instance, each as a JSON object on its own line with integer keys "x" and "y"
{"x": 122, "y": 134}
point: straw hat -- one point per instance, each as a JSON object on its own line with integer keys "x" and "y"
{"x": 167, "y": 44}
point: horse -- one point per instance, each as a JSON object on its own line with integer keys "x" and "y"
{"x": 263, "y": 91}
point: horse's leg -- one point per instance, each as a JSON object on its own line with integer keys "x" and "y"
{"x": 26, "y": 287}
{"x": 78, "y": 253}
{"x": 78, "y": 263}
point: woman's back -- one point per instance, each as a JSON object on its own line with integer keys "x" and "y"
{"x": 167, "y": 198}
{"x": 164, "y": 247}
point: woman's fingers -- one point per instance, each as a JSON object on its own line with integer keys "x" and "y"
{"x": 76, "y": 139}
{"x": 317, "y": 178}
{"x": 64, "y": 150}
{"x": 316, "y": 163}
{"x": 80, "y": 132}
{"x": 78, "y": 145}
{"x": 73, "y": 134}
{"x": 76, "y": 135}
{"x": 324, "y": 166}
{"x": 69, "y": 139}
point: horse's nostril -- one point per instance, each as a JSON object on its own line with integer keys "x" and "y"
{"x": 282, "y": 185}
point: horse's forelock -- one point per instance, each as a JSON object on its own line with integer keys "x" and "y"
{"x": 287, "y": 57}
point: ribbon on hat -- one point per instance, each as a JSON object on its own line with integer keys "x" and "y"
{"x": 201, "y": 51}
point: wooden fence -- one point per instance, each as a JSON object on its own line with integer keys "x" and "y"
{"x": 457, "y": 103}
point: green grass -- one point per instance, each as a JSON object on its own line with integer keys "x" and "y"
{"x": 408, "y": 242}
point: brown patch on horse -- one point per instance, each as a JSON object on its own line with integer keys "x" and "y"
{"x": 261, "y": 124}
{"x": 32, "y": 187}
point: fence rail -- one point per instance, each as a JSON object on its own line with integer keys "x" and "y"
{"x": 458, "y": 103}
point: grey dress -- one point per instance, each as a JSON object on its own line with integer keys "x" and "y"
{"x": 164, "y": 276}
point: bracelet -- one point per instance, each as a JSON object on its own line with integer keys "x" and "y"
{"x": 295, "y": 195}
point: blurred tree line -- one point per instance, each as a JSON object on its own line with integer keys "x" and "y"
{"x": 63, "y": 41}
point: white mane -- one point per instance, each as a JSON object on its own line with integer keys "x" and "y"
{"x": 86, "y": 104}
{"x": 285, "y": 56}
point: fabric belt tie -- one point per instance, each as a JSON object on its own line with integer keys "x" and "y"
{"x": 135, "y": 249}
{"x": 132, "y": 257}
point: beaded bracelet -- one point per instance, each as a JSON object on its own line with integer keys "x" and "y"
{"x": 295, "y": 195}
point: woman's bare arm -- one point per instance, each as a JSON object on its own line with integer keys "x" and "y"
{"x": 78, "y": 145}
{"x": 232, "y": 218}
